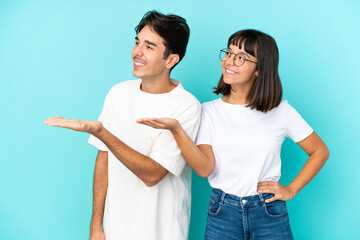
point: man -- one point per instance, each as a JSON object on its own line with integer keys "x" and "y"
{"x": 141, "y": 181}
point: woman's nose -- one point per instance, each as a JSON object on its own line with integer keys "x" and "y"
{"x": 230, "y": 60}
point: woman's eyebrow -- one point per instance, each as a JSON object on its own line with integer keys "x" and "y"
{"x": 239, "y": 52}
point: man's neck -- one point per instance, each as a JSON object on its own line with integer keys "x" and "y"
{"x": 157, "y": 86}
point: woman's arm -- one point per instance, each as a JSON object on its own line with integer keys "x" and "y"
{"x": 200, "y": 158}
{"x": 318, "y": 155}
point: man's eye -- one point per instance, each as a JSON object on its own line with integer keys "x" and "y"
{"x": 136, "y": 43}
{"x": 149, "y": 47}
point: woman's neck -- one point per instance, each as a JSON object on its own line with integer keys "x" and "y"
{"x": 237, "y": 96}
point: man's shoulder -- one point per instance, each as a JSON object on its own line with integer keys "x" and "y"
{"x": 187, "y": 97}
{"x": 125, "y": 86}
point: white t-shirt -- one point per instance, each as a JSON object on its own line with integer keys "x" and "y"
{"x": 247, "y": 143}
{"x": 133, "y": 210}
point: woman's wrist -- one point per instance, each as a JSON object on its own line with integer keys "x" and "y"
{"x": 293, "y": 190}
{"x": 176, "y": 129}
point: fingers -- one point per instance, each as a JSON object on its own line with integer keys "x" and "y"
{"x": 91, "y": 127}
{"x": 149, "y": 122}
{"x": 142, "y": 120}
{"x": 271, "y": 199}
{"x": 280, "y": 192}
{"x": 268, "y": 188}
{"x": 59, "y": 121}
{"x": 54, "y": 121}
{"x": 152, "y": 122}
{"x": 50, "y": 121}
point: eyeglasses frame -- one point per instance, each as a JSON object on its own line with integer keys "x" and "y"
{"x": 226, "y": 51}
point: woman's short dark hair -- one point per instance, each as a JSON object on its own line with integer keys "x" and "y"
{"x": 266, "y": 92}
{"x": 172, "y": 28}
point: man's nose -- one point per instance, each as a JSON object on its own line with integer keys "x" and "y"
{"x": 138, "y": 50}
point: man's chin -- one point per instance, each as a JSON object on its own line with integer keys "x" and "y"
{"x": 136, "y": 74}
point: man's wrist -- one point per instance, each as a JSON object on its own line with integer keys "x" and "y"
{"x": 98, "y": 130}
{"x": 95, "y": 226}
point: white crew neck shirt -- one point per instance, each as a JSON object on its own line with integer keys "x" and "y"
{"x": 134, "y": 211}
{"x": 247, "y": 143}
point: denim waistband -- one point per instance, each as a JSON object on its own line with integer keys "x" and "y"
{"x": 243, "y": 201}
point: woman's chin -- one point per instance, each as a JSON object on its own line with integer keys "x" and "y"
{"x": 227, "y": 81}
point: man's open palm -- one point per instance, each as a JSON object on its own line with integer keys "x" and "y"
{"x": 91, "y": 127}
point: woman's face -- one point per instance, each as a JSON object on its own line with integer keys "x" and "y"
{"x": 242, "y": 75}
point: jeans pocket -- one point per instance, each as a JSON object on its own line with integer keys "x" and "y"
{"x": 214, "y": 206}
{"x": 275, "y": 209}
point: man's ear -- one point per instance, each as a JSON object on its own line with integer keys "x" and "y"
{"x": 172, "y": 60}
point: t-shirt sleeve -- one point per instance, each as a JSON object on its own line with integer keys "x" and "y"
{"x": 296, "y": 127}
{"x": 204, "y": 134}
{"x": 105, "y": 118}
{"x": 166, "y": 151}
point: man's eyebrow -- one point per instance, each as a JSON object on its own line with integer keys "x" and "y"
{"x": 150, "y": 43}
{"x": 147, "y": 41}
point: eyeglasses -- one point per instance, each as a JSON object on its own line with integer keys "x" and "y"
{"x": 239, "y": 58}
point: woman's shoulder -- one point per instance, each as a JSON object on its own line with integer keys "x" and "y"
{"x": 285, "y": 105}
{"x": 210, "y": 105}
{"x": 282, "y": 106}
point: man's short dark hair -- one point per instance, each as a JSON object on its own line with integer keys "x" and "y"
{"x": 172, "y": 28}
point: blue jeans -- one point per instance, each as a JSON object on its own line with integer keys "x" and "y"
{"x": 233, "y": 217}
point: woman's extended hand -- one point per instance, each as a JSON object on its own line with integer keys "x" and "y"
{"x": 281, "y": 192}
{"x": 160, "y": 123}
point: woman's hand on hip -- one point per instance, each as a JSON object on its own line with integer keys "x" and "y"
{"x": 281, "y": 192}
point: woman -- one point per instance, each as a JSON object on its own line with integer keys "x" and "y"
{"x": 239, "y": 143}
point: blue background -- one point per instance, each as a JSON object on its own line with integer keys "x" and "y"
{"x": 62, "y": 57}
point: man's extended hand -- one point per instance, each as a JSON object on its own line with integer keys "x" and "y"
{"x": 92, "y": 127}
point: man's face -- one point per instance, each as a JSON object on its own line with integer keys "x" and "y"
{"x": 148, "y": 55}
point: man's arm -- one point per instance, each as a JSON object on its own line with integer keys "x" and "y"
{"x": 99, "y": 195}
{"x": 145, "y": 168}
